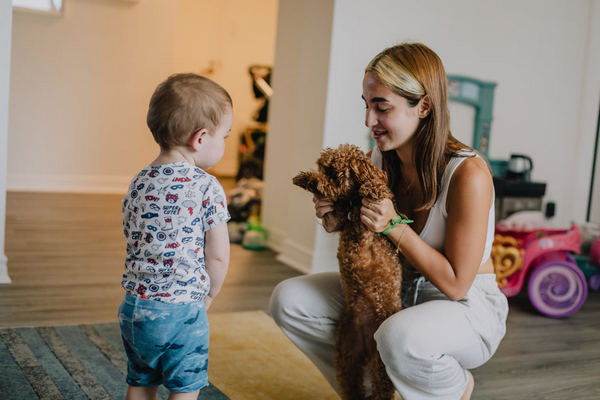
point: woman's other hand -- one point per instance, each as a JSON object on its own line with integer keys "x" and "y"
{"x": 376, "y": 215}
{"x": 324, "y": 210}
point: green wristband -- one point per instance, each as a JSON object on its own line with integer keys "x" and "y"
{"x": 400, "y": 219}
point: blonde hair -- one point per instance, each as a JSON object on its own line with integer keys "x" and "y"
{"x": 413, "y": 71}
{"x": 184, "y": 104}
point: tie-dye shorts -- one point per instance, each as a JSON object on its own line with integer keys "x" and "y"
{"x": 165, "y": 343}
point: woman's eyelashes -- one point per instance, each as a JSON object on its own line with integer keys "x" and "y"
{"x": 379, "y": 108}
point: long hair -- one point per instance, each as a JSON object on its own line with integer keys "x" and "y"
{"x": 413, "y": 70}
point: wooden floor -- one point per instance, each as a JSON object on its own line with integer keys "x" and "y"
{"x": 65, "y": 257}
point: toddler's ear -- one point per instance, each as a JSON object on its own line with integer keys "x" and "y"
{"x": 195, "y": 139}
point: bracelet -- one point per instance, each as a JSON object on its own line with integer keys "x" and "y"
{"x": 400, "y": 239}
{"x": 400, "y": 219}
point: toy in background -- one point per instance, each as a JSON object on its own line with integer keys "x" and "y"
{"x": 244, "y": 207}
{"x": 595, "y": 260}
{"x": 251, "y": 154}
{"x": 528, "y": 249}
{"x": 512, "y": 178}
{"x": 589, "y": 260}
{"x": 245, "y": 199}
{"x": 251, "y": 151}
{"x": 255, "y": 236}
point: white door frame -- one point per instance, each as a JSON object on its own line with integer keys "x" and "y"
{"x": 5, "y": 41}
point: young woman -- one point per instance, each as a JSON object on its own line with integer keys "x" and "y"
{"x": 455, "y": 315}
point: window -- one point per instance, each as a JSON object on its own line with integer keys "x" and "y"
{"x": 45, "y": 6}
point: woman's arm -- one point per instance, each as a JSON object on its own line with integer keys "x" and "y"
{"x": 468, "y": 204}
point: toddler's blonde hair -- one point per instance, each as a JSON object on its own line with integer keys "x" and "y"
{"x": 184, "y": 104}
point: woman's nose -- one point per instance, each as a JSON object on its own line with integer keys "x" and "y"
{"x": 370, "y": 119}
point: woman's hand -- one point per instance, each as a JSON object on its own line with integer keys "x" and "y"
{"x": 324, "y": 210}
{"x": 322, "y": 206}
{"x": 376, "y": 215}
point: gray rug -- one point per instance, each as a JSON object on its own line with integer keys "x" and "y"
{"x": 68, "y": 362}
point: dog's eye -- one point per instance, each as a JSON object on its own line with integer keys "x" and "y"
{"x": 330, "y": 172}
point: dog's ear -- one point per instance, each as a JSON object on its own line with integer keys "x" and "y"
{"x": 307, "y": 180}
{"x": 314, "y": 182}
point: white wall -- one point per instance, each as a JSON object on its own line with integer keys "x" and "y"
{"x": 227, "y": 36}
{"x": 590, "y": 108}
{"x": 5, "y": 34}
{"x": 297, "y": 114}
{"x": 80, "y": 86}
{"x": 81, "y": 83}
{"x": 534, "y": 50}
{"x": 537, "y": 51}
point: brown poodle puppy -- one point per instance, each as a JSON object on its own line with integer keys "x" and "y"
{"x": 370, "y": 269}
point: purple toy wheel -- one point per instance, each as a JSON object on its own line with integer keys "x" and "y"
{"x": 557, "y": 288}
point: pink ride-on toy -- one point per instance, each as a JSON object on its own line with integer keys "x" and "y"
{"x": 591, "y": 265}
{"x": 556, "y": 286}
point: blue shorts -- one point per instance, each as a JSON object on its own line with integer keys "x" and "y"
{"x": 165, "y": 343}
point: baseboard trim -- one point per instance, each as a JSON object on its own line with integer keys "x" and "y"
{"x": 275, "y": 239}
{"x": 69, "y": 183}
{"x": 295, "y": 256}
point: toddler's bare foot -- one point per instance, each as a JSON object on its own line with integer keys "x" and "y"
{"x": 470, "y": 385}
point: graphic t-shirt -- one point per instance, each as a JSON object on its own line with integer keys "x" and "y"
{"x": 166, "y": 212}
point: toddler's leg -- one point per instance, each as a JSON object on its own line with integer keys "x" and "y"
{"x": 141, "y": 392}
{"x": 307, "y": 309}
{"x": 184, "y": 396}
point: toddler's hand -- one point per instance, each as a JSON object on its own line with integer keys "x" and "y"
{"x": 376, "y": 215}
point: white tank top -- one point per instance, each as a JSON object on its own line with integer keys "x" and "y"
{"x": 434, "y": 231}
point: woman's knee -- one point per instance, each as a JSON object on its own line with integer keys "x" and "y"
{"x": 283, "y": 300}
{"x": 306, "y": 297}
{"x": 398, "y": 344}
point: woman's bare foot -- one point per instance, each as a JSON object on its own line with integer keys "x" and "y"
{"x": 470, "y": 385}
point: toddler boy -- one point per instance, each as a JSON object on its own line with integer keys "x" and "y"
{"x": 174, "y": 220}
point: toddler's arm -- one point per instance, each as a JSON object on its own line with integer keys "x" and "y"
{"x": 216, "y": 257}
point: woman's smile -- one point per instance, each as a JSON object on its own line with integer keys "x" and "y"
{"x": 378, "y": 133}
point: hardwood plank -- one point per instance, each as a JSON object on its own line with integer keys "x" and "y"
{"x": 66, "y": 254}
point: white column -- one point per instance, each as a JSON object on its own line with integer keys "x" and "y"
{"x": 317, "y": 87}
{"x": 296, "y": 126}
{"x": 5, "y": 40}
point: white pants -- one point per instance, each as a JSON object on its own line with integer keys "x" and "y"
{"x": 426, "y": 348}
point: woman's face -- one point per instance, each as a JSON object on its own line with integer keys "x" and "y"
{"x": 390, "y": 118}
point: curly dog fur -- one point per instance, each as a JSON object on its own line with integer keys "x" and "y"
{"x": 370, "y": 269}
